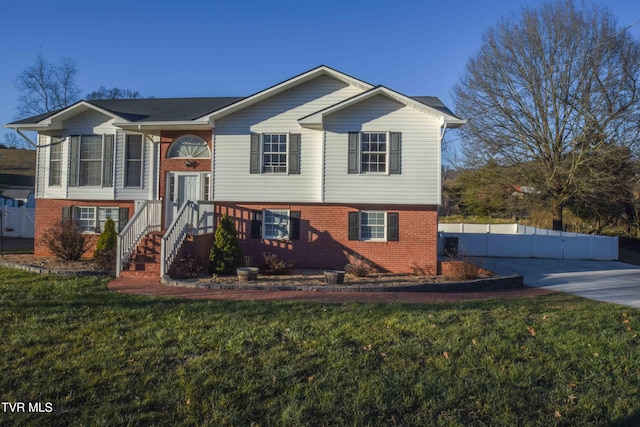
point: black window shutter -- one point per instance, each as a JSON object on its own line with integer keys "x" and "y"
{"x": 294, "y": 153}
{"x": 393, "y": 233}
{"x": 354, "y": 138}
{"x": 66, "y": 213}
{"x": 123, "y": 218}
{"x": 294, "y": 218}
{"x": 74, "y": 156}
{"x": 254, "y": 161}
{"x": 256, "y": 224}
{"x": 107, "y": 166}
{"x": 354, "y": 225}
{"x": 395, "y": 153}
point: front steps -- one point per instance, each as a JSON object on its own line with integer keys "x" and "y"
{"x": 145, "y": 261}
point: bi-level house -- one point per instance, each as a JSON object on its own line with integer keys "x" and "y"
{"x": 318, "y": 168}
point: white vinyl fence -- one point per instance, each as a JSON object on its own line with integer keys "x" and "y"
{"x": 18, "y": 222}
{"x": 519, "y": 241}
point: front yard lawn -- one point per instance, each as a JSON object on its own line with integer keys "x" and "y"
{"x": 96, "y": 357}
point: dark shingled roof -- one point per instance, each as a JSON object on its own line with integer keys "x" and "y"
{"x": 152, "y": 109}
{"x": 182, "y": 109}
{"x": 434, "y": 103}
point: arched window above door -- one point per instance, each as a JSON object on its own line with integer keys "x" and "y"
{"x": 189, "y": 146}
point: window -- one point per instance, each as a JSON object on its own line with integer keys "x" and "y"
{"x": 91, "y": 161}
{"x": 373, "y": 226}
{"x": 189, "y": 146}
{"x": 373, "y": 150}
{"x": 55, "y": 162}
{"x": 274, "y": 153}
{"x": 276, "y": 224}
{"x": 133, "y": 161}
{"x": 93, "y": 218}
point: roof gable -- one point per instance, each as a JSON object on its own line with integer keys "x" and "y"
{"x": 284, "y": 86}
{"x": 428, "y": 104}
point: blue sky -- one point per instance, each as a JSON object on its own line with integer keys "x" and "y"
{"x": 238, "y": 47}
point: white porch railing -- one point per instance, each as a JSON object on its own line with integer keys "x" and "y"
{"x": 192, "y": 219}
{"x": 146, "y": 219}
{"x": 176, "y": 234}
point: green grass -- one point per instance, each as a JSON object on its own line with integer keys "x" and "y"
{"x": 103, "y": 358}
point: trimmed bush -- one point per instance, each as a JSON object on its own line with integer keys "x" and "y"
{"x": 66, "y": 240}
{"x": 105, "y": 254}
{"x": 225, "y": 255}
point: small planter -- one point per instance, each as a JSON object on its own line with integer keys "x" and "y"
{"x": 247, "y": 274}
{"x": 334, "y": 277}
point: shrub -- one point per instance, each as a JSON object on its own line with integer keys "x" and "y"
{"x": 225, "y": 255}
{"x": 65, "y": 240}
{"x": 359, "y": 267}
{"x": 275, "y": 265}
{"x": 187, "y": 267}
{"x": 105, "y": 254}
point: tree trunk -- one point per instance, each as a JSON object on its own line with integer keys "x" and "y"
{"x": 557, "y": 216}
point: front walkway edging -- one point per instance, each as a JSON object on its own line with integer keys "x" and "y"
{"x": 490, "y": 284}
{"x": 42, "y": 270}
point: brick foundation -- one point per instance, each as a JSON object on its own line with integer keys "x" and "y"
{"x": 324, "y": 242}
{"x": 49, "y": 212}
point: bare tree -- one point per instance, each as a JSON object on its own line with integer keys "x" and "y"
{"x": 11, "y": 140}
{"x": 552, "y": 89}
{"x": 46, "y": 87}
{"x": 114, "y": 93}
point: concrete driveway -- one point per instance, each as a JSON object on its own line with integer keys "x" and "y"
{"x": 609, "y": 281}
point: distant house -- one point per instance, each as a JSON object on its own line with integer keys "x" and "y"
{"x": 17, "y": 197}
{"x": 318, "y": 168}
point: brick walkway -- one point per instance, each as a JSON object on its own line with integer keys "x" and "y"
{"x": 147, "y": 287}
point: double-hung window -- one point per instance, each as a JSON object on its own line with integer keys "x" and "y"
{"x": 133, "y": 161}
{"x": 374, "y": 153}
{"x": 276, "y": 224}
{"x": 92, "y": 218}
{"x": 374, "y": 226}
{"x": 55, "y": 162}
{"x": 275, "y": 153}
{"x": 91, "y": 161}
{"x": 373, "y": 149}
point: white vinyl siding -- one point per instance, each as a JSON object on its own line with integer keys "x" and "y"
{"x": 420, "y": 155}
{"x": 276, "y": 115}
{"x": 94, "y": 123}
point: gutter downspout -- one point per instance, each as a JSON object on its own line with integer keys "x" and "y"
{"x": 26, "y": 138}
{"x": 441, "y": 138}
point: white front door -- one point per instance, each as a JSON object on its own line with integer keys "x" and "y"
{"x": 180, "y": 188}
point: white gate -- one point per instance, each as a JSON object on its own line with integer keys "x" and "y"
{"x": 17, "y": 222}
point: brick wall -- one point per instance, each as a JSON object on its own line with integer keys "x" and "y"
{"x": 324, "y": 239}
{"x": 49, "y": 212}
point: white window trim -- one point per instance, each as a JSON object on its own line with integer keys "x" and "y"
{"x": 384, "y": 225}
{"x": 264, "y": 224}
{"x": 386, "y": 164}
{"x": 95, "y": 229}
{"x": 182, "y": 137}
{"x": 58, "y": 145}
{"x": 286, "y": 153}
